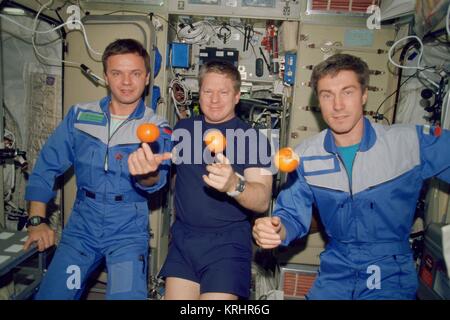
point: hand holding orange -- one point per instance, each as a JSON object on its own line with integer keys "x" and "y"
{"x": 147, "y": 132}
{"x": 215, "y": 141}
{"x": 286, "y": 160}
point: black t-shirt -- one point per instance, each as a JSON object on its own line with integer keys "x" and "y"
{"x": 196, "y": 203}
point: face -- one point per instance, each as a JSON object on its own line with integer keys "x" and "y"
{"x": 126, "y": 77}
{"x": 218, "y": 97}
{"x": 341, "y": 102}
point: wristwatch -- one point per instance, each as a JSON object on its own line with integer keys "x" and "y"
{"x": 240, "y": 186}
{"x": 36, "y": 220}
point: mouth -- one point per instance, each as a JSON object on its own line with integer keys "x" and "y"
{"x": 126, "y": 92}
{"x": 340, "y": 117}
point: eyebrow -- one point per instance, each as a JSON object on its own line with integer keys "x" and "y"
{"x": 345, "y": 88}
{"x": 134, "y": 70}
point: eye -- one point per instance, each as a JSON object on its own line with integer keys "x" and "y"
{"x": 325, "y": 96}
{"x": 348, "y": 92}
{"x": 137, "y": 74}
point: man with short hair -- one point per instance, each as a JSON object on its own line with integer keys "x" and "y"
{"x": 364, "y": 179}
{"x": 114, "y": 176}
{"x": 211, "y": 247}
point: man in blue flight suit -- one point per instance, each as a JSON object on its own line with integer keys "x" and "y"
{"x": 364, "y": 179}
{"x": 114, "y": 176}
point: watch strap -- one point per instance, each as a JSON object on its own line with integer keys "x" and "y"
{"x": 239, "y": 187}
{"x": 39, "y": 220}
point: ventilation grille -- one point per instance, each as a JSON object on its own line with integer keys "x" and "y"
{"x": 340, "y": 6}
{"x": 297, "y": 282}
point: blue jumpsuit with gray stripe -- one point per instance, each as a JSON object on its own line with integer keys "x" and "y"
{"x": 368, "y": 220}
{"x": 109, "y": 219}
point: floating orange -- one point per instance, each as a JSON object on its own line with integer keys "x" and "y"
{"x": 215, "y": 141}
{"x": 286, "y": 160}
{"x": 147, "y": 132}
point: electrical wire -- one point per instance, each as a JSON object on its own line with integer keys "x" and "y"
{"x": 196, "y": 33}
{"x": 445, "y": 112}
{"x": 447, "y": 18}
{"x": 143, "y": 14}
{"x": 249, "y": 40}
{"x": 419, "y": 58}
{"x": 34, "y": 31}
{"x": 54, "y": 29}
{"x": 401, "y": 84}
{"x": 180, "y": 95}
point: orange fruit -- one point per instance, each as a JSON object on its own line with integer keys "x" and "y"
{"x": 215, "y": 141}
{"x": 286, "y": 160}
{"x": 147, "y": 132}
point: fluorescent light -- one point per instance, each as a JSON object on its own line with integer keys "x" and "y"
{"x": 14, "y": 11}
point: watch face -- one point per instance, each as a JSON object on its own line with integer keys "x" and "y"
{"x": 34, "y": 221}
{"x": 241, "y": 185}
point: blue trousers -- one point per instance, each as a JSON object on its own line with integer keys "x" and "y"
{"x": 367, "y": 272}
{"x": 95, "y": 231}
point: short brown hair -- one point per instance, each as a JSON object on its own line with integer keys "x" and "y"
{"x": 337, "y": 63}
{"x": 124, "y": 46}
{"x": 220, "y": 67}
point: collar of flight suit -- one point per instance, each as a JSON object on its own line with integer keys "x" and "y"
{"x": 368, "y": 139}
{"x": 138, "y": 112}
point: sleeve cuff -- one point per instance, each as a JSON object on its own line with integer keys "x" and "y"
{"x": 153, "y": 188}
{"x": 290, "y": 230}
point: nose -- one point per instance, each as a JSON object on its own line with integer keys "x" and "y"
{"x": 126, "y": 79}
{"x": 215, "y": 96}
{"x": 338, "y": 103}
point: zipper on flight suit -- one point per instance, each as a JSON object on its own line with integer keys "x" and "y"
{"x": 105, "y": 165}
{"x": 346, "y": 171}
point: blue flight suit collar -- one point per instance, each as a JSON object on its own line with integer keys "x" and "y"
{"x": 136, "y": 114}
{"x": 368, "y": 139}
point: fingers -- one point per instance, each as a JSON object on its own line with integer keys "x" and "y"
{"x": 218, "y": 170}
{"x": 48, "y": 239}
{"x": 276, "y": 223}
{"x": 43, "y": 239}
{"x": 222, "y": 159}
{"x": 165, "y": 156}
{"x": 27, "y": 243}
{"x": 266, "y": 234}
{"x": 41, "y": 244}
{"x": 210, "y": 182}
{"x": 148, "y": 153}
{"x": 143, "y": 160}
{"x": 219, "y": 178}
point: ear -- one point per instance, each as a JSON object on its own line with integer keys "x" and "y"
{"x": 237, "y": 97}
{"x": 147, "y": 79}
{"x": 365, "y": 96}
{"x": 106, "y": 79}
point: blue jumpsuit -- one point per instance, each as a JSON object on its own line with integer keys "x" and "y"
{"x": 110, "y": 214}
{"x": 368, "y": 219}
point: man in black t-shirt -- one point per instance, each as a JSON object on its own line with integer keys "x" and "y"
{"x": 216, "y": 195}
